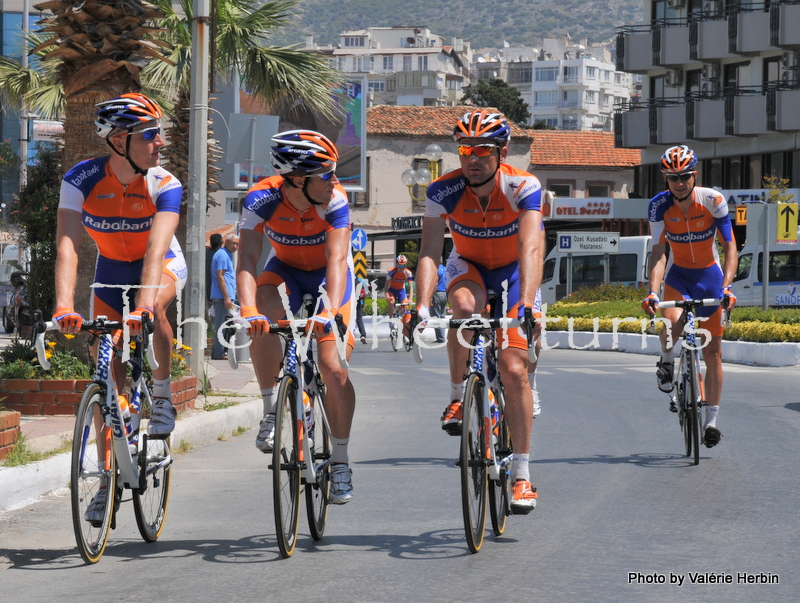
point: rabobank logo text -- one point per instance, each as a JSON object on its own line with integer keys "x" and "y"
{"x": 448, "y": 190}
{"x": 690, "y": 237}
{"x": 77, "y": 179}
{"x": 283, "y": 239}
{"x": 484, "y": 233}
{"x": 102, "y": 224}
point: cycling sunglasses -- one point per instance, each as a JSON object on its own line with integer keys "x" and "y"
{"x": 679, "y": 177}
{"x": 478, "y": 151}
{"x": 149, "y": 134}
{"x": 326, "y": 177}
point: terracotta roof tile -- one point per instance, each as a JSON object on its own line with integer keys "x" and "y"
{"x": 388, "y": 120}
{"x": 561, "y": 147}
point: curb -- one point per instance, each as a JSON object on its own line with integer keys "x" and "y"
{"x": 26, "y": 484}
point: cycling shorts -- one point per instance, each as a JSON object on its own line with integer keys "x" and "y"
{"x": 398, "y": 294}
{"x": 111, "y": 277}
{"x": 697, "y": 283}
{"x": 299, "y": 282}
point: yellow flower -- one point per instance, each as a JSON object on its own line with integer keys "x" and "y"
{"x": 68, "y": 335}
{"x": 51, "y": 344}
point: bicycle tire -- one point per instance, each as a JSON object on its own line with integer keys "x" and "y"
{"x": 498, "y": 489}
{"x": 91, "y": 470}
{"x": 286, "y": 468}
{"x": 151, "y": 499}
{"x": 683, "y": 406}
{"x": 318, "y": 492}
{"x": 695, "y": 417}
{"x": 393, "y": 336}
{"x": 474, "y": 477}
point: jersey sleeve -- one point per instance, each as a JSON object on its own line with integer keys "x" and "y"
{"x": 168, "y": 194}
{"x": 655, "y": 214}
{"x": 337, "y": 214}
{"x": 722, "y": 219}
{"x": 258, "y": 206}
{"x": 409, "y": 275}
{"x": 71, "y": 197}
{"x": 529, "y": 194}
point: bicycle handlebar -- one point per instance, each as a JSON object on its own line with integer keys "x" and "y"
{"x": 690, "y": 304}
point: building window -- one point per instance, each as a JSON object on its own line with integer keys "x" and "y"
{"x": 591, "y": 96}
{"x": 354, "y": 42}
{"x": 547, "y": 120}
{"x": 388, "y": 63}
{"x": 546, "y": 74}
{"x": 545, "y": 98}
{"x": 422, "y": 63}
{"x": 232, "y": 206}
{"x": 608, "y": 100}
{"x": 391, "y": 85}
{"x": 487, "y": 73}
{"x": 570, "y": 74}
{"x": 407, "y": 63}
{"x": 570, "y": 98}
{"x": 571, "y": 122}
{"x": 606, "y": 75}
{"x": 342, "y": 64}
{"x": 618, "y": 78}
{"x": 598, "y": 190}
{"x": 591, "y": 72}
{"x": 560, "y": 189}
{"x": 520, "y": 75}
{"x": 377, "y": 86}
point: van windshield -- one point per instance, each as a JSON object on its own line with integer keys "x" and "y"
{"x": 589, "y": 269}
{"x": 783, "y": 266}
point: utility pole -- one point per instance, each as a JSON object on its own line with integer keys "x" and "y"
{"x": 23, "y": 116}
{"x": 195, "y": 325}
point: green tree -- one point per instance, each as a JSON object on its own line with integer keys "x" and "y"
{"x": 496, "y": 93}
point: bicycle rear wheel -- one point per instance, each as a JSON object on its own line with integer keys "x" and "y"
{"x": 151, "y": 499}
{"x": 498, "y": 489}
{"x": 474, "y": 480}
{"x": 317, "y": 493}
{"x": 286, "y": 468}
{"x": 393, "y": 335}
{"x": 93, "y": 468}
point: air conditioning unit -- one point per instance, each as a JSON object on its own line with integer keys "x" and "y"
{"x": 709, "y": 88}
{"x": 789, "y": 60}
{"x": 673, "y": 77}
{"x": 676, "y": 3}
{"x": 789, "y": 77}
{"x": 711, "y": 71}
{"x": 712, "y": 8}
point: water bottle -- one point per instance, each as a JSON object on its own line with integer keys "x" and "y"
{"x": 308, "y": 413}
{"x": 130, "y": 417}
{"x": 494, "y": 413}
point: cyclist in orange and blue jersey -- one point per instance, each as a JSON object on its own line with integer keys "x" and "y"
{"x": 130, "y": 207}
{"x": 396, "y": 280}
{"x": 494, "y": 214}
{"x": 689, "y": 219}
{"x": 303, "y": 212}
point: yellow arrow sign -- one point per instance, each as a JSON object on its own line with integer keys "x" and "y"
{"x": 741, "y": 215}
{"x": 360, "y": 264}
{"x": 787, "y": 223}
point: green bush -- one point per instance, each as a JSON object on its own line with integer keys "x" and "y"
{"x": 611, "y": 292}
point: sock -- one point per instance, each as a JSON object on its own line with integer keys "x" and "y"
{"x": 668, "y": 356}
{"x": 711, "y": 416}
{"x": 519, "y": 467}
{"x": 532, "y": 380}
{"x": 161, "y": 388}
{"x": 457, "y": 390}
{"x": 339, "y": 450}
{"x": 268, "y": 398}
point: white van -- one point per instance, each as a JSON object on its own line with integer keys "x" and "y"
{"x": 784, "y": 276}
{"x": 629, "y": 267}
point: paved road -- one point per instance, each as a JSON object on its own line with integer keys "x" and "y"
{"x": 616, "y": 496}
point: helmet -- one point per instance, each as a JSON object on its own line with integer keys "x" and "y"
{"x": 303, "y": 153}
{"x": 402, "y": 260}
{"x": 124, "y": 113}
{"x": 677, "y": 160}
{"x": 483, "y": 124}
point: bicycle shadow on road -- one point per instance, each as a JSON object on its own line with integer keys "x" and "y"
{"x": 793, "y": 406}
{"x": 659, "y": 460}
{"x": 411, "y": 461}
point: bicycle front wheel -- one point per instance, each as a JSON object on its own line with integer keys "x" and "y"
{"x": 393, "y": 336}
{"x": 695, "y": 400}
{"x": 151, "y": 498}
{"x": 498, "y": 489}
{"x": 684, "y": 412}
{"x": 93, "y": 470}
{"x": 317, "y": 493}
{"x": 474, "y": 442}
{"x": 286, "y": 467}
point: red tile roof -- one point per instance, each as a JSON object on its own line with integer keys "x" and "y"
{"x": 223, "y": 230}
{"x": 388, "y": 120}
{"x": 563, "y": 147}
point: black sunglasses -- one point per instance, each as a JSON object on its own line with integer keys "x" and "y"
{"x": 679, "y": 177}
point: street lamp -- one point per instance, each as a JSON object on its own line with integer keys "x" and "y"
{"x": 424, "y": 175}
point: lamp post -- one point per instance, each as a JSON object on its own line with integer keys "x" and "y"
{"x": 424, "y": 175}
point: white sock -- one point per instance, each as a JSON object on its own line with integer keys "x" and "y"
{"x": 519, "y": 467}
{"x": 339, "y": 450}
{"x": 668, "y": 356}
{"x": 161, "y": 388}
{"x": 532, "y": 380}
{"x": 457, "y": 390}
{"x": 268, "y": 398}
{"x": 711, "y": 416}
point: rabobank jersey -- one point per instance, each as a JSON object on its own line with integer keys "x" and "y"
{"x": 397, "y": 277}
{"x": 691, "y": 235}
{"x": 487, "y": 237}
{"x": 118, "y": 217}
{"x": 298, "y": 238}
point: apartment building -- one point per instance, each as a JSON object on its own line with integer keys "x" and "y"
{"x": 404, "y": 65}
{"x": 566, "y": 86}
{"x": 722, "y": 77}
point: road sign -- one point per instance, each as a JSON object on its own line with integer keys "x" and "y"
{"x": 588, "y": 242}
{"x": 358, "y": 239}
{"x": 741, "y": 215}
{"x": 360, "y": 264}
{"x": 787, "y": 224}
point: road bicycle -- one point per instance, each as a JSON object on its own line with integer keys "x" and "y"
{"x": 486, "y": 449}
{"x": 396, "y": 327}
{"x": 111, "y": 449}
{"x": 301, "y": 454}
{"x": 687, "y": 397}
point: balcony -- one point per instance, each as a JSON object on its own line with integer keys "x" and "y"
{"x": 671, "y": 123}
{"x": 632, "y": 126}
{"x": 785, "y": 25}
{"x": 635, "y": 49}
{"x": 753, "y": 31}
{"x": 709, "y": 39}
{"x": 674, "y": 44}
{"x": 784, "y": 111}
{"x": 747, "y": 113}
{"x": 706, "y": 118}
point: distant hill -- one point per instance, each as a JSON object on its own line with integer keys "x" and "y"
{"x": 485, "y": 24}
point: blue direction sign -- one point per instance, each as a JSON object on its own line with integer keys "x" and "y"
{"x": 358, "y": 239}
